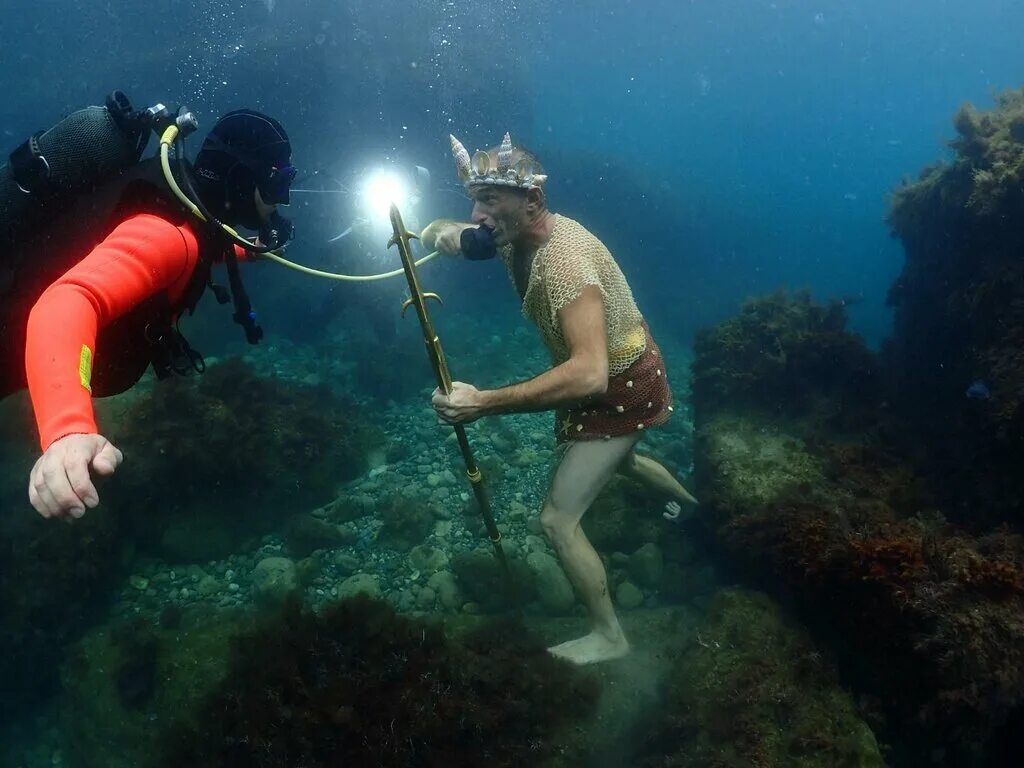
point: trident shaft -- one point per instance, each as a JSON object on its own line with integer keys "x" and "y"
{"x": 418, "y": 299}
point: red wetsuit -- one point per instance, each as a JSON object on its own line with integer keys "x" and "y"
{"x": 143, "y": 256}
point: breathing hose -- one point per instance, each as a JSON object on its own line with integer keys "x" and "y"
{"x": 168, "y": 138}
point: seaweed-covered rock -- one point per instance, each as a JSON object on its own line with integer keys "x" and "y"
{"x": 623, "y": 517}
{"x": 237, "y": 450}
{"x": 407, "y": 521}
{"x": 305, "y": 534}
{"x": 781, "y": 354}
{"x": 427, "y": 559}
{"x": 359, "y": 685}
{"x": 125, "y": 685}
{"x": 275, "y": 580}
{"x": 359, "y": 584}
{"x": 957, "y": 352}
{"x": 821, "y": 504}
{"x": 482, "y": 579}
{"x": 749, "y": 688}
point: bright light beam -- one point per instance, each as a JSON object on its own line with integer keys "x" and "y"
{"x": 382, "y": 189}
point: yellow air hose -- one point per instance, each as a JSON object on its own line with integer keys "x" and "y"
{"x": 169, "y": 137}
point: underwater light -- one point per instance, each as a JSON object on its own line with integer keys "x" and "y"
{"x": 382, "y": 189}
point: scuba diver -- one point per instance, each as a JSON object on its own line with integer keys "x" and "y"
{"x": 103, "y": 253}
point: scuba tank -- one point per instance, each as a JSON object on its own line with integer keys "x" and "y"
{"x": 84, "y": 150}
{"x": 60, "y": 188}
{"x": 53, "y": 168}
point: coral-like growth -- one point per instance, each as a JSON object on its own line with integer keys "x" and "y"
{"x": 749, "y": 689}
{"x": 238, "y": 448}
{"x": 359, "y": 685}
{"x": 986, "y": 174}
{"x": 957, "y": 354}
{"x": 782, "y": 353}
{"x": 923, "y": 614}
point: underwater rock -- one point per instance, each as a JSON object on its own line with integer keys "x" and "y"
{"x": 208, "y": 586}
{"x": 309, "y": 569}
{"x": 425, "y": 599}
{"x": 817, "y": 499}
{"x": 306, "y": 534}
{"x": 958, "y": 319}
{"x": 750, "y": 688}
{"x": 447, "y": 589}
{"x": 135, "y": 672}
{"x": 623, "y": 518}
{"x": 407, "y": 522}
{"x": 628, "y": 596}
{"x": 116, "y": 703}
{"x": 673, "y": 585}
{"x": 482, "y": 580}
{"x": 346, "y": 508}
{"x": 784, "y": 354}
{"x": 550, "y": 584}
{"x": 359, "y": 584}
{"x": 346, "y": 563}
{"x": 646, "y": 566}
{"x": 358, "y": 685}
{"x": 518, "y": 511}
{"x": 758, "y": 461}
{"x": 502, "y": 435}
{"x": 275, "y": 580}
{"x": 222, "y": 458}
{"x": 427, "y": 559}
{"x": 53, "y": 579}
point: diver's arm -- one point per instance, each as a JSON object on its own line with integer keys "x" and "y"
{"x": 583, "y": 375}
{"x": 143, "y": 256}
{"x": 444, "y": 235}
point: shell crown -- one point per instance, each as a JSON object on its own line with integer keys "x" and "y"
{"x": 476, "y": 171}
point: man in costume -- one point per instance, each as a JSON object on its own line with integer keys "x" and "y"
{"x": 607, "y": 383}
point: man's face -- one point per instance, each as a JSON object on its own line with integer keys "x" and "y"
{"x": 503, "y": 210}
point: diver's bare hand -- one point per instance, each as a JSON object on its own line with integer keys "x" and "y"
{"x": 466, "y": 403}
{"x": 443, "y": 235}
{"x": 60, "y": 484}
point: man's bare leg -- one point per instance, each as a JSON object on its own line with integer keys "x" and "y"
{"x": 646, "y": 470}
{"x": 585, "y": 468}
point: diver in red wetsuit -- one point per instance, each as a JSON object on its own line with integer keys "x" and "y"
{"x": 132, "y": 260}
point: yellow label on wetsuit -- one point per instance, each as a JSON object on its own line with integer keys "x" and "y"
{"x": 85, "y": 368}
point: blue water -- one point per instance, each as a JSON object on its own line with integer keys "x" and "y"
{"x": 720, "y": 148}
{"x": 754, "y": 143}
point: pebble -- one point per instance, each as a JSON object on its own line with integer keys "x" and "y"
{"x": 425, "y": 467}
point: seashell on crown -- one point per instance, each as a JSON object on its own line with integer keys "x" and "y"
{"x": 478, "y": 171}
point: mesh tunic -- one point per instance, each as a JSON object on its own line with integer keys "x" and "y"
{"x": 638, "y": 395}
{"x": 572, "y": 259}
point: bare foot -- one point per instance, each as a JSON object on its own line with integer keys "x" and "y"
{"x": 592, "y": 648}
